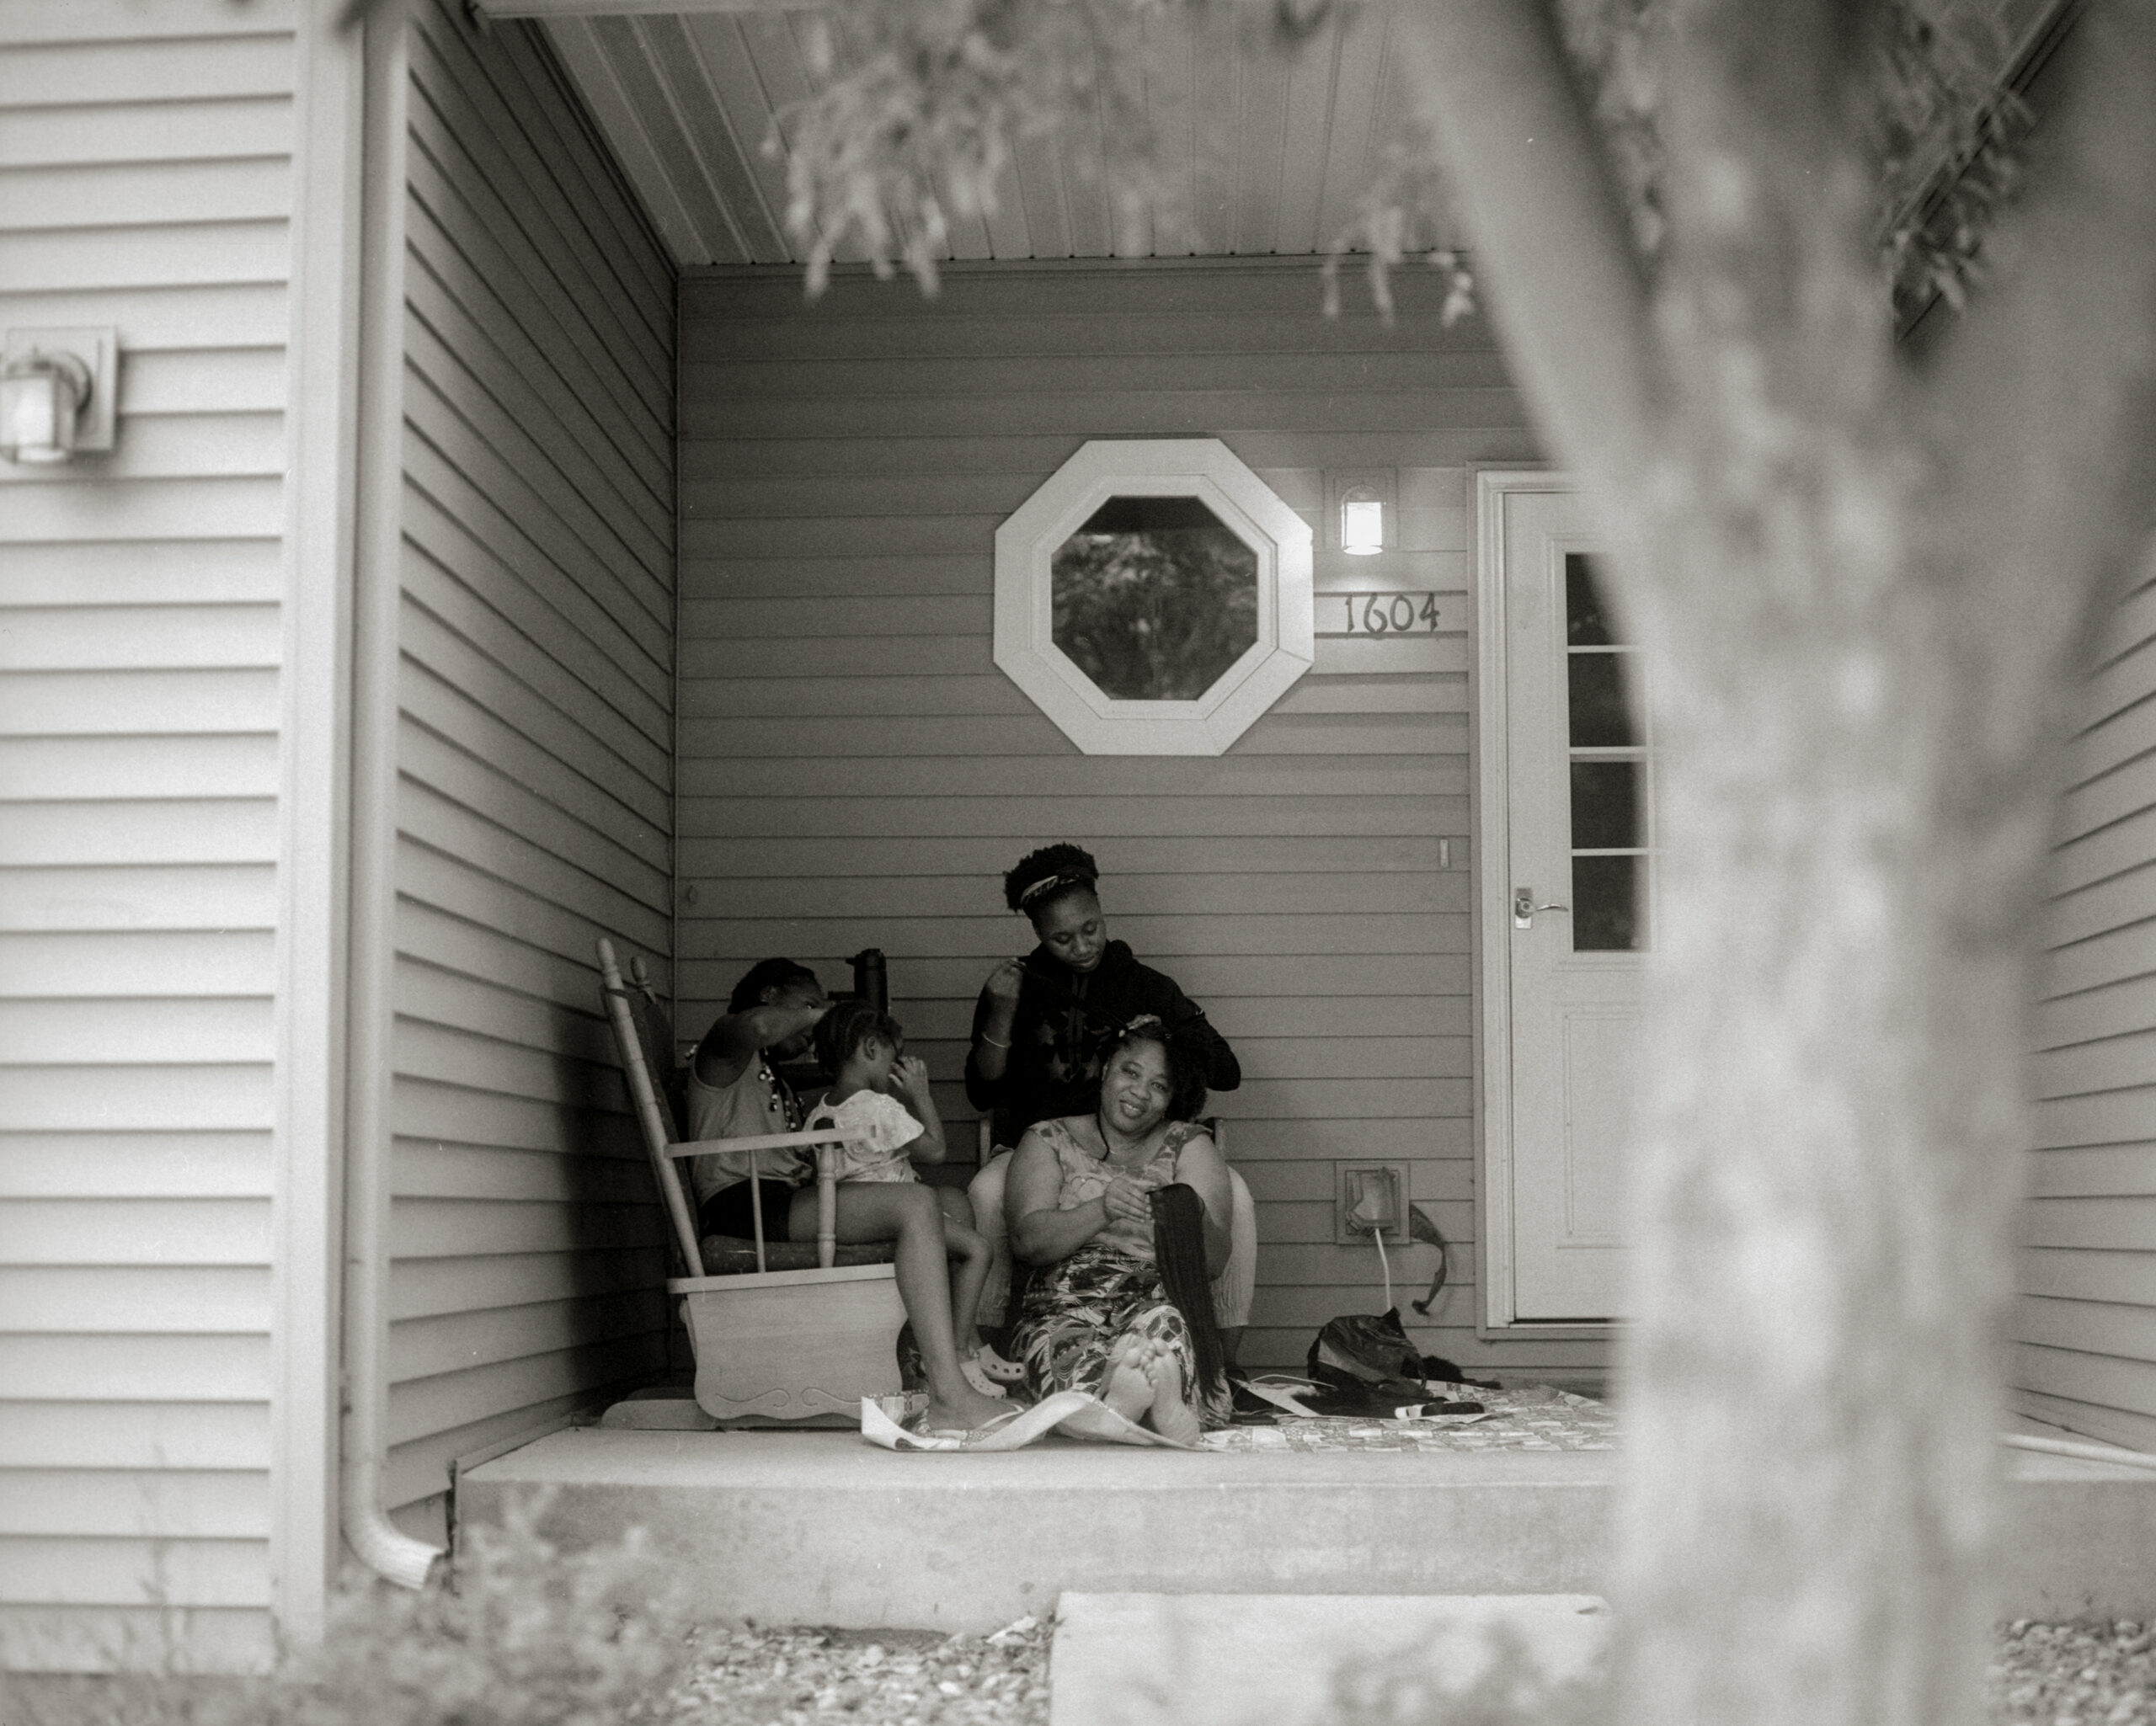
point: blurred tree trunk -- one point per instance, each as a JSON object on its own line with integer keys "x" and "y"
{"x": 1863, "y": 589}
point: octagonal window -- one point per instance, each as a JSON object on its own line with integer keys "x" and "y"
{"x": 1153, "y": 597}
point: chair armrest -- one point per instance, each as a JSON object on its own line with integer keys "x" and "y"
{"x": 826, "y": 1143}
{"x": 759, "y": 1141}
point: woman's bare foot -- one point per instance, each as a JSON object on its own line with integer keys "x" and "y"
{"x": 965, "y": 1413}
{"x": 1126, "y": 1386}
{"x": 1172, "y": 1416}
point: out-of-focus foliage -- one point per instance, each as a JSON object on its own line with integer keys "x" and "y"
{"x": 1157, "y": 615}
{"x": 526, "y": 1635}
{"x": 939, "y": 95}
{"x": 1924, "y": 94}
{"x": 936, "y": 95}
{"x": 1415, "y": 1687}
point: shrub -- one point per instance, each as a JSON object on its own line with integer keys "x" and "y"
{"x": 523, "y": 1635}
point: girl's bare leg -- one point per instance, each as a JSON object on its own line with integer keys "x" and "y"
{"x": 970, "y": 1259}
{"x": 906, "y": 1213}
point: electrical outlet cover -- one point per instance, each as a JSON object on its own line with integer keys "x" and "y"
{"x": 1349, "y": 1179}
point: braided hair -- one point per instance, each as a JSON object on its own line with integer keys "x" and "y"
{"x": 1179, "y": 1254}
{"x": 847, "y": 1026}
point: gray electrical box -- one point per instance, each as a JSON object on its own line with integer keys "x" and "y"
{"x": 1369, "y": 1198}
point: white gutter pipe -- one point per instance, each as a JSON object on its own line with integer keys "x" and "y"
{"x": 2083, "y": 1452}
{"x": 379, "y": 1543}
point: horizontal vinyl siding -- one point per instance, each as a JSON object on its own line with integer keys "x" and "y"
{"x": 534, "y": 809}
{"x": 854, "y": 770}
{"x": 144, "y": 163}
{"x": 2085, "y": 1334}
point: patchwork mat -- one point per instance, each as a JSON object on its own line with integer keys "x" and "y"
{"x": 1530, "y": 1418}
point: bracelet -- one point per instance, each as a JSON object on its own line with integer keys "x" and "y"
{"x": 992, "y": 1042}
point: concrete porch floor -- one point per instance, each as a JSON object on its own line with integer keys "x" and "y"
{"x": 822, "y": 1528}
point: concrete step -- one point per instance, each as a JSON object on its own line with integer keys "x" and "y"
{"x": 1294, "y": 1659}
{"x": 822, "y": 1528}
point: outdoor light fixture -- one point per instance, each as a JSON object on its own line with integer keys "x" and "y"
{"x": 56, "y": 394}
{"x": 1362, "y": 522}
{"x": 40, "y": 397}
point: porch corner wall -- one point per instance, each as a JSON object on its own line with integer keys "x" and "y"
{"x": 855, "y": 771}
{"x": 534, "y": 753}
{"x": 147, "y": 186}
{"x": 2085, "y": 1353}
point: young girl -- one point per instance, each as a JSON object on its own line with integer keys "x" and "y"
{"x": 735, "y": 1091}
{"x": 880, "y": 1098}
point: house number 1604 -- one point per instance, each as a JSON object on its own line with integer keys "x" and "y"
{"x": 1388, "y": 614}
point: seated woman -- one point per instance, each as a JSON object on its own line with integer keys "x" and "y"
{"x": 735, "y": 1091}
{"x": 1128, "y": 1208}
{"x": 1039, "y": 1022}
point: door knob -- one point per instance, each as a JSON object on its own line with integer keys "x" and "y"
{"x": 1524, "y": 908}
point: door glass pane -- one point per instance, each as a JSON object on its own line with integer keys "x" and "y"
{"x": 1611, "y": 773}
{"x": 1586, "y": 622}
{"x": 1605, "y": 905}
{"x": 1601, "y": 709}
{"x": 1605, "y": 805}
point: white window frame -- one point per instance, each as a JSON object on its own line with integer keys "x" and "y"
{"x": 1203, "y": 468}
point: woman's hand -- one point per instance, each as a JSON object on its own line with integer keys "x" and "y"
{"x": 1004, "y": 982}
{"x": 1126, "y": 1201}
{"x": 991, "y": 1052}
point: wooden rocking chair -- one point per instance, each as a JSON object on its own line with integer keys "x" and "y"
{"x": 789, "y": 1346}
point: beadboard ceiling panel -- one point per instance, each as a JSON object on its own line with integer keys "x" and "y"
{"x": 1264, "y": 153}
{"x": 1267, "y": 153}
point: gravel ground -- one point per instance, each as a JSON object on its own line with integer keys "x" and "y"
{"x": 2074, "y": 1675}
{"x": 2042, "y": 1675}
{"x": 878, "y": 1677}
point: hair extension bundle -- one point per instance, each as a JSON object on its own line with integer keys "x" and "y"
{"x": 1179, "y": 1252}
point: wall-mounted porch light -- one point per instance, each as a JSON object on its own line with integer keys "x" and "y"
{"x": 1362, "y": 522}
{"x": 1362, "y": 510}
{"x": 57, "y": 393}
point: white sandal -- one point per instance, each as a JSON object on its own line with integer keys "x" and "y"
{"x": 980, "y": 1380}
{"x": 997, "y": 1367}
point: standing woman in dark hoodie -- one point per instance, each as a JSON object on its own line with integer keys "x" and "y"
{"x": 1041, "y": 1019}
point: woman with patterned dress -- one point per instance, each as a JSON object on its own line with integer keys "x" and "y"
{"x": 1104, "y": 1313}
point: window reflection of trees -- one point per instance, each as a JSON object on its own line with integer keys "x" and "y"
{"x": 1154, "y": 598}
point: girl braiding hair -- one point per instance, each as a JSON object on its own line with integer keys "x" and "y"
{"x": 1179, "y": 1252}
{"x": 1034, "y": 1052}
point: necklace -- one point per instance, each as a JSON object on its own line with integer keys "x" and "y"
{"x": 1107, "y": 1144}
{"x": 784, "y": 1103}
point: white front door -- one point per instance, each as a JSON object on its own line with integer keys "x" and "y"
{"x": 1568, "y": 891}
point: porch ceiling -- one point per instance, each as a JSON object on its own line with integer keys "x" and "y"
{"x": 1270, "y": 154}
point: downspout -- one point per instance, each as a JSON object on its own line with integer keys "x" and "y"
{"x": 382, "y": 1547}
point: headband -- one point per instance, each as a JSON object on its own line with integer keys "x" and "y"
{"x": 1054, "y": 883}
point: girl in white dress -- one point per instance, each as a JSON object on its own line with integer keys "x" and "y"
{"x": 880, "y": 1098}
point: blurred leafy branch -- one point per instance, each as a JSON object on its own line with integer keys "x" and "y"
{"x": 924, "y": 112}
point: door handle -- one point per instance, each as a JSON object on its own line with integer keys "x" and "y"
{"x": 1524, "y": 908}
